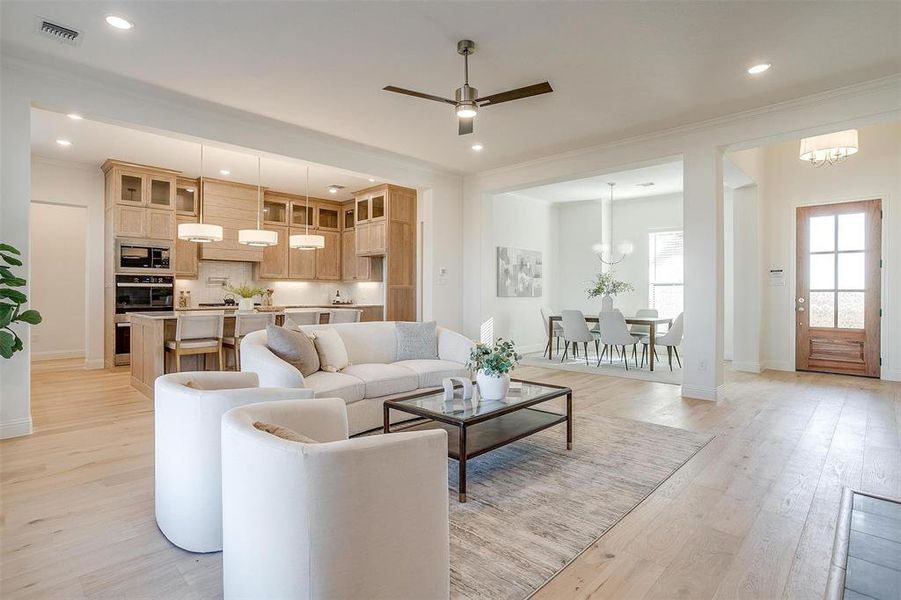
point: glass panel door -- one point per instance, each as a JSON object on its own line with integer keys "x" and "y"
{"x": 131, "y": 189}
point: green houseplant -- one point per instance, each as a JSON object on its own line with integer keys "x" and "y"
{"x": 606, "y": 285}
{"x": 492, "y": 365}
{"x": 247, "y": 293}
{"x": 11, "y": 302}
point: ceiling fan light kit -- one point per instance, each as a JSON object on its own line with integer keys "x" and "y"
{"x": 466, "y": 100}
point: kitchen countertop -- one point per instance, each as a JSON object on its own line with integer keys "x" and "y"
{"x": 171, "y": 314}
{"x": 285, "y": 306}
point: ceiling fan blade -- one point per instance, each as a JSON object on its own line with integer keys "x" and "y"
{"x": 523, "y": 92}
{"x": 397, "y": 90}
{"x": 464, "y": 126}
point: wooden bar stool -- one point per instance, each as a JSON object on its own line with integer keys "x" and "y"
{"x": 246, "y": 323}
{"x": 344, "y": 315}
{"x": 195, "y": 334}
{"x": 305, "y": 316}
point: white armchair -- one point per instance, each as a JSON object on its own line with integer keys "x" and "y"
{"x": 359, "y": 518}
{"x": 187, "y": 418}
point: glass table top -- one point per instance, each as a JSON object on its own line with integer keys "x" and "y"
{"x": 459, "y": 409}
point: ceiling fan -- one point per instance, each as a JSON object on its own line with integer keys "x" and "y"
{"x": 467, "y": 100}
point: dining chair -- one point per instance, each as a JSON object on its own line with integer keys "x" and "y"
{"x": 246, "y": 323}
{"x": 575, "y": 330}
{"x": 671, "y": 339}
{"x": 302, "y": 316}
{"x": 640, "y": 329}
{"x": 615, "y": 334}
{"x": 344, "y": 315}
{"x": 556, "y": 332}
{"x": 197, "y": 333}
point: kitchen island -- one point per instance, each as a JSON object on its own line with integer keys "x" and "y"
{"x": 370, "y": 312}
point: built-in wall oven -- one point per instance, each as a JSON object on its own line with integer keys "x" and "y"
{"x": 139, "y": 293}
{"x": 139, "y": 256}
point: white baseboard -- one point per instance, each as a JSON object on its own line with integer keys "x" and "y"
{"x": 891, "y": 374}
{"x": 747, "y": 367}
{"x": 779, "y": 365}
{"x": 15, "y": 428}
{"x": 94, "y": 363}
{"x": 702, "y": 393}
{"x": 56, "y": 355}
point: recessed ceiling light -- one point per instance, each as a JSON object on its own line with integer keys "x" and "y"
{"x": 477, "y": 147}
{"x": 64, "y": 143}
{"x": 74, "y": 116}
{"x": 371, "y": 180}
{"x": 224, "y": 172}
{"x": 332, "y": 189}
{"x": 119, "y": 22}
{"x": 758, "y": 69}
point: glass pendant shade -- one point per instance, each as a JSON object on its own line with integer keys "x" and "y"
{"x": 306, "y": 241}
{"x": 830, "y": 148}
{"x": 257, "y": 237}
{"x": 199, "y": 232}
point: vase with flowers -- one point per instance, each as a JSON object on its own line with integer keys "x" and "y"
{"x": 247, "y": 293}
{"x": 606, "y": 285}
{"x": 492, "y": 365}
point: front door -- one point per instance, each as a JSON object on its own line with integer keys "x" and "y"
{"x": 837, "y": 306}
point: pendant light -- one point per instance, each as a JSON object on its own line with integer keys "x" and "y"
{"x": 829, "y": 149}
{"x": 624, "y": 248}
{"x": 259, "y": 237}
{"x": 307, "y": 241}
{"x": 201, "y": 232}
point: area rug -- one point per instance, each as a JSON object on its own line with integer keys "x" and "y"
{"x": 661, "y": 373}
{"x": 533, "y": 506}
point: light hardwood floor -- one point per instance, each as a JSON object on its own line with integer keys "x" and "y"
{"x": 750, "y": 516}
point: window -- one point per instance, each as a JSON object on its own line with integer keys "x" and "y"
{"x": 665, "y": 280}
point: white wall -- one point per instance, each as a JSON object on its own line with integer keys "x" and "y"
{"x": 874, "y": 172}
{"x": 76, "y": 184}
{"x": 527, "y": 224}
{"x": 58, "y": 249}
{"x": 728, "y": 272}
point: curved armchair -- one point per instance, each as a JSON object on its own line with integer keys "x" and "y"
{"x": 615, "y": 332}
{"x": 359, "y": 518}
{"x": 188, "y": 408}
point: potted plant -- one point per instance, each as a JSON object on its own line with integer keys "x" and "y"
{"x": 492, "y": 365}
{"x": 606, "y": 285}
{"x": 11, "y": 302}
{"x": 247, "y": 293}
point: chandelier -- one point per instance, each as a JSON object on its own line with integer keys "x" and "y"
{"x": 830, "y": 148}
{"x": 607, "y": 252}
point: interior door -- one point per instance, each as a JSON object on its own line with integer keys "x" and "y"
{"x": 837, "y": 306}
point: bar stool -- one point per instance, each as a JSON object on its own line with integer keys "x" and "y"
{"x": 344, "y": 315}
{"x": 304, "y": 316}
{"x": 197, "y": 333}
{"x": 246, "y": 323}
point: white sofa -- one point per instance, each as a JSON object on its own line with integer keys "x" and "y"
{"x": 188, "y": 466}
{"x": 342, "y": 518}
{"x": 374, "y": 374}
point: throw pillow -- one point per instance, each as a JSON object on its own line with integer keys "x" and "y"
{"x": 283, "y": 432}
{"x": 417, "y": 340}
{"x": 294, "y": 347}
{"x": 332, "y": 353}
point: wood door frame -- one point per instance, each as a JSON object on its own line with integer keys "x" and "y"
{"x": 885, "y": 197}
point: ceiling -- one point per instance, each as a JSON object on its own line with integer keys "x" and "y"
{"x": 94, "y": 142}
{"x": 618, "y": 68}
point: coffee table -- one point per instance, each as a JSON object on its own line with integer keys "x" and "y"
{"x": 477, "y": 426}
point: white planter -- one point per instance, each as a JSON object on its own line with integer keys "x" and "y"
{"x": 607, "y": 303}
{"x": 245, "y": 304}
{"x": 492, "y": 387}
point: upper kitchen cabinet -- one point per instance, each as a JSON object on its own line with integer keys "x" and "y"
{"x": 187, "y": 196}
{"x": 275, "y": 258}
{"x": 162, "y": 192}
{"x": 186, "y": 253}
{"x": 275, "y": 209}
{"x": 328, "y": 258}
{"x": 348, "y": 219}
{"x": 302, "y": 215}
{"x": 328, "y": 217}
{"x": 234, "y": 207}
{"x": 141, "y": 200}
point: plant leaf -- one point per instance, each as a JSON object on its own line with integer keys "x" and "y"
{"x": 8, "y": 248}
{"x": 12, "y": 281}
{"x": 6, "y": 314}
{"x": 17, "y": 297}
{"x": 30, "y": 316}
{"x": 7, "y": 343}
{"x": 10, "y": 260}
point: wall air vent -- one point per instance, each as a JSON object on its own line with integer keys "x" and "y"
{"x": 55, "y": 31}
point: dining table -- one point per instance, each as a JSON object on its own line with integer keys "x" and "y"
{"x": 651, "y": 322}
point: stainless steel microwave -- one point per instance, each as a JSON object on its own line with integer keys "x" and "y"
{"x": 140, "y": 256}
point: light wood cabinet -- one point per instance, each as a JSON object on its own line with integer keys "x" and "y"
{"x": 275, "y": 212}
{"x": 361, "y": 233}
{"x": 129, "y": 221}
{"x": 328, "y": 259}
{"x": 302, "y": 215}
{"x": 161, "y": 192}
{"x": 362, "y": 206}
{"x": 186, "y": 196}
{"x": 377, "y": 241}
{"x": 186, "y": 253}
{"x": 327, "y": 217}
{"x": 275, "y": 258}
{"x": 233, "y": 206}
{"x": 348, "y": 213}
{"x": 160, "y": 224}
{"x": 353, "y": 267}
{"x": 301, "y": 263}
{"x": 129, "y": 187}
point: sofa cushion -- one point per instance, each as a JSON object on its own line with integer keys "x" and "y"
{"x": 332, "y": 353}
{"x": 431, "y": 372}
{"x": 294, "y": 347}
{"x": 372, "y": 342}
{"x": 326, "y": 385}
{"x": 384, "y": 380}
{"x": 417, "y": 340}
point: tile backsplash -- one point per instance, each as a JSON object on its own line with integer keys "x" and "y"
{"x": 208, "y": 286}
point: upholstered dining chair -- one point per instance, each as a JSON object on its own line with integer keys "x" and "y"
{"x": 197, "y": 333}
{"x": 302, "y": 316}
{"x": 644, "y": 330}
{"x": 245, "y": 323}
{"x": 575, "y": 330}
{"x": 615, "y": 333}
{"x": 557, "y": 332}
{"x": 671, "y": 340}
{"x": 344, "y": 315}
